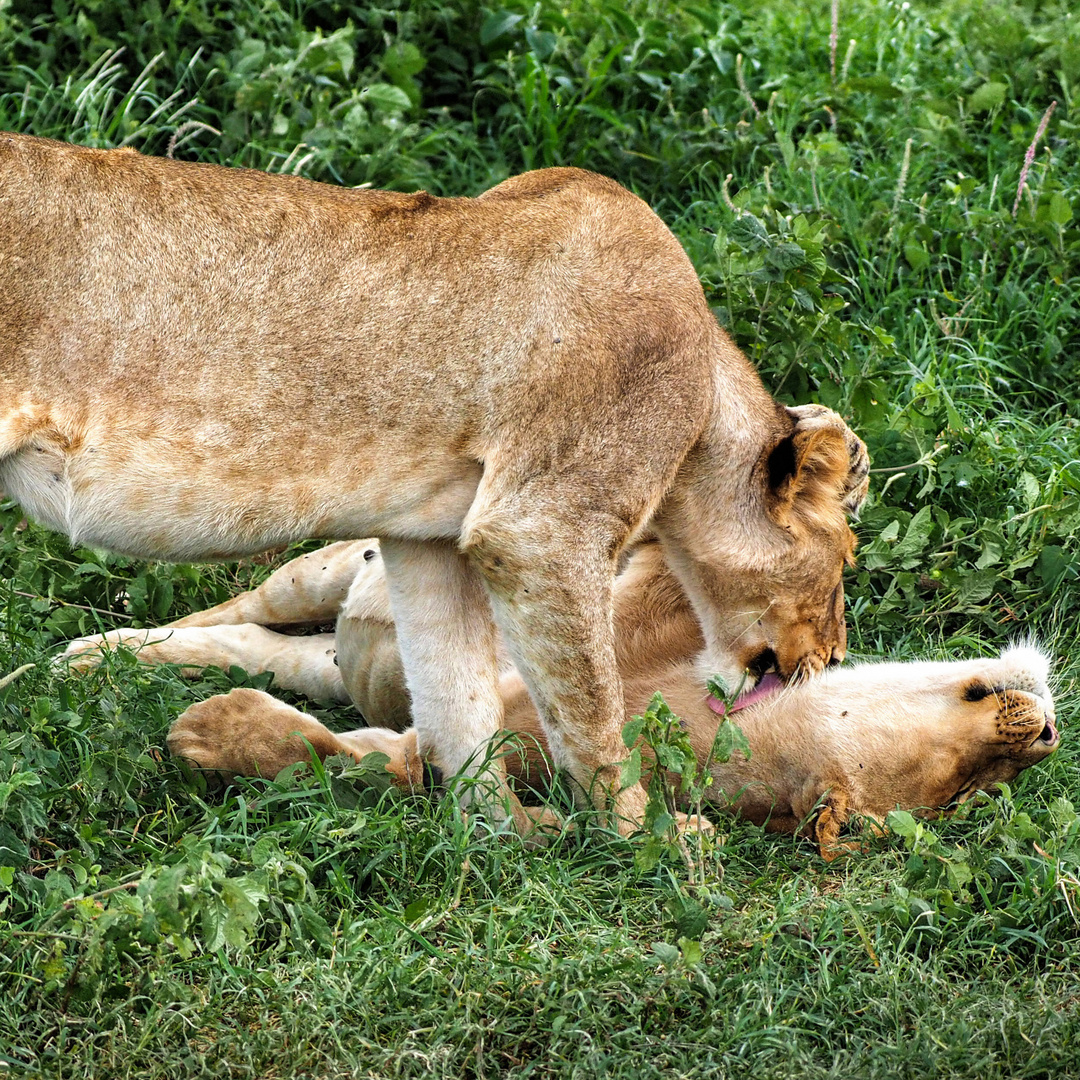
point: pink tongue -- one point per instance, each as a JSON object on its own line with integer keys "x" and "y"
{"x": 769, "y": 684}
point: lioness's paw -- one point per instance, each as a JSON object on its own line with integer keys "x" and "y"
{"x": 858, "y": 482}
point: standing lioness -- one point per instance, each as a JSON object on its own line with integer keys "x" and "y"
{"x": 199, "y": 362}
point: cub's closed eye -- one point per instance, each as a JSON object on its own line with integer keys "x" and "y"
{"x": 978, "y": 691}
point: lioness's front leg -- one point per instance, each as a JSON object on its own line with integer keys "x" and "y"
{"x": 550, "y": 586}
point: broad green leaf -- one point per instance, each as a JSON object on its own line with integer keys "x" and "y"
{"x": 917, "y": 256}
{"x": 316, "y": 926}
{"x": 415, "y": 911}
{"x": 976, "y": 587}
{"x": 632, "y": 730}
{"x": 1060, "y": 211}
{"x": 875, "y": 84}
{"x": 902, "y": 823}
{"x": 375, "y": 761}
{"x": 403, "y": 60}
{"x": 749, "y": 232}
{"x": 918, "y": 532}
{"x": 498, "y": 24}
{"x": 668, "y": 955}
{"x": 691, "y": 918}
{"x": 718, "y": 687}
{"x": 786, "y": 256}
{"x": 541, "y": 42}
{"x": 387, "y": 98}
{"x": 787, "y": 149}
{"x": 691, "y": 950}
{"x": 1053, "y": 564}
{"x": 730, "y": 739}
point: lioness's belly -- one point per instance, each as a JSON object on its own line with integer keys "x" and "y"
{"x": 158, "y": 499}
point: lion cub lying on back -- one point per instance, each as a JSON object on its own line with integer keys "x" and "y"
{"x": 862, "y": 740}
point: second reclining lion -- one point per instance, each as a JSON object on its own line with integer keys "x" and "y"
{"x": 855, "y": 742}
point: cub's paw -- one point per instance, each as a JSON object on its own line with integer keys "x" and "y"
{"x": 809, "y": 417}
{"x": 1024, "y": 667}
{"x": 86, "y": 653}
{"x": 537, "y": 826}
{"x": 247, "y": 733}
{"x": 693, "y": 823}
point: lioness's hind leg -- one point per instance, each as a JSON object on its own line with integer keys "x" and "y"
{"x": 447, "y": 644}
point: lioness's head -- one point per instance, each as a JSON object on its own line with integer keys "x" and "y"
{"x": 765, "y": 582}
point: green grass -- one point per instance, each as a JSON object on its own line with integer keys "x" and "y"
{"x": 320, "y": 926}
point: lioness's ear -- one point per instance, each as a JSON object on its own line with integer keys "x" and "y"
{"x": 857, "y": 483}
{"x": 807, "y": 474}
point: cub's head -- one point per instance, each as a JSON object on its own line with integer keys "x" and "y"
{"x": 1009, "y": 713}
{"x": 765, "y": 578}
{"x": 931, "y": 735}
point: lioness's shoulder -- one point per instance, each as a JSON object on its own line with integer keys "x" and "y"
{"x": 543, "y": 183}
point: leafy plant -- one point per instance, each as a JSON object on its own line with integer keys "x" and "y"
{"x": 677, "y": 777}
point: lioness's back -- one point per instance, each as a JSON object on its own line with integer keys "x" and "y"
{"x": 148, "y": 259}
{"x": 271, "y": 350}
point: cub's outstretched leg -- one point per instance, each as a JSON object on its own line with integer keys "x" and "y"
{"x": 361, "y": 663}
{"x": 249, "y": 733}
{"x": 307, "y": 590}
{"x": 304, "y": 665}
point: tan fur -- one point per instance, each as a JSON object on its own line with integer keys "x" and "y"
{"x": 199, "y": 362}
{"x": 856, "y": 742}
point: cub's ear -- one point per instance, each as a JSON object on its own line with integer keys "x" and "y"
{"x": 833, "y": 814}
{"x": 807, "y": 476}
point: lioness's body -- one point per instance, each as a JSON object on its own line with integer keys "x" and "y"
{"x": 252, "y": 356}
{"x": 198, "y": 362}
